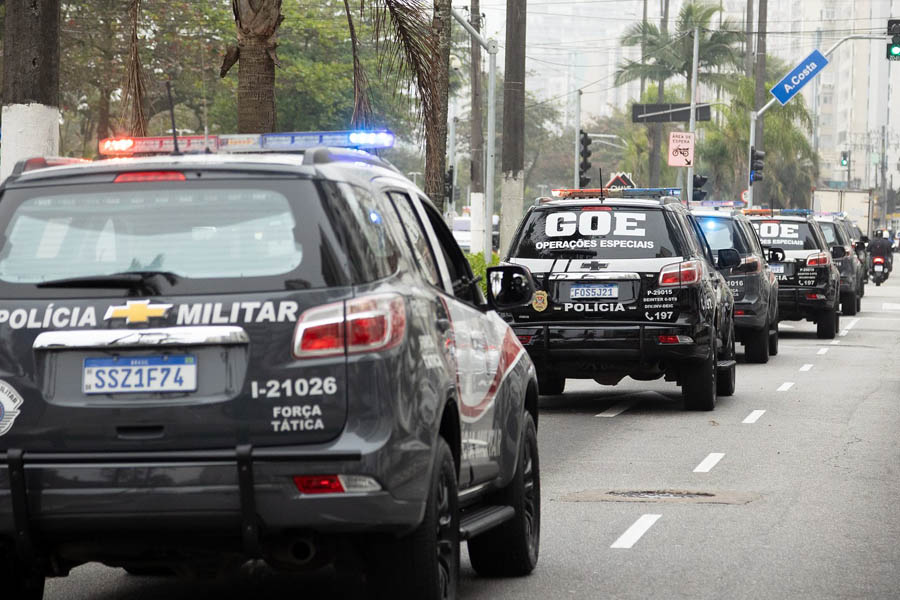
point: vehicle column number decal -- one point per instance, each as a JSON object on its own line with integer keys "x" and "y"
{"x": 298, "y": 417}
{"x": 659, "y": 305}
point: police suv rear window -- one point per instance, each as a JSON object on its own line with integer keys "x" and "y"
{"x": 788, "y": 235}
{"x": 722, "y": 233}
{"x": 213, "y": 236}
{"x": 596, "y": 231}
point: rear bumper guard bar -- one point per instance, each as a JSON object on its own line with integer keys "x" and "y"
{"x": 242, "y": 457}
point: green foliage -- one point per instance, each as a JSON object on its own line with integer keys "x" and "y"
{"x": 480, "y": 269}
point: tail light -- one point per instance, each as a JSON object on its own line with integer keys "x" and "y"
{"x": 365, "y": 324}
{"x": 675, "y": 339}
{"x": 681, "y": 274}
{"x": 818, "y": 260}
{"x": 748, "y": 265}
{"x": 335, "y": 484}
{"x": 145, "y": 176}
{"x": 878, "y": 260}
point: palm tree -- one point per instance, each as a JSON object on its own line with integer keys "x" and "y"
{"x": 791, "y": 164}
{"x": 669, "y": 55}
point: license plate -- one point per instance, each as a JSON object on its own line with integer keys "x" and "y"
{"x": 777, "y": 268}
{"x": 592, "y": 291}
{"x": 133, "y": 374}
{"x": 879, "y": 268}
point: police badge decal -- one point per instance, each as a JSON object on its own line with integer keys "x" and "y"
{"x": 10, "y": 401}
{"x": 539, "y": 302}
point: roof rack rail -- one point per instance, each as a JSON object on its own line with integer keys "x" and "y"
{"x": 322, "y": 155}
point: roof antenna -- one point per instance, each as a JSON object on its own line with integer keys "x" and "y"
{"x": 601, "y": 180}
{"x": 177, "y": 152}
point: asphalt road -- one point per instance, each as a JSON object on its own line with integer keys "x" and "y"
{"x": 789, "y": 489}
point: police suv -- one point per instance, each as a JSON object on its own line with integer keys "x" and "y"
{"x": 853, "y": 276}
{"x": 808, "y": 280}
{"x": 210, "y": 358}
{"x": 627, "y": 286}
{"x": 754, "y": 285}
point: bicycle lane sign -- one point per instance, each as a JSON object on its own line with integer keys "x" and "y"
{"x": 681, "y": 149}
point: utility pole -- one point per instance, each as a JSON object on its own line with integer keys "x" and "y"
{"x": 693, "y": 122}
{"x": 577, "y": 122}
{"x": 643, "y": 50}
{"x": 760, "y": 96}
{"x": 512, "y": 193}
{"x": 748, "y": 57}
{"x": 656, "y": 129}
{"x": 477, "y": 126}
{"x": 30, "y": 82}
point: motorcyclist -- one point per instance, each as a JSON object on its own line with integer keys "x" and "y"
{"x": 881, "y": 246}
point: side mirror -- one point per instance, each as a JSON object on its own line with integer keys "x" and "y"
{"x": 838, "y": 252}
{"x": 776, "y": 255}
{"x": 728, "y": 258}
{"x": 860, "y": 245}
{"x": 509, "y": 286}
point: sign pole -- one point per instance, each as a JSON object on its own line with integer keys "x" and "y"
{"x": 577, "y": 181}
{"x": 693, "y": 122}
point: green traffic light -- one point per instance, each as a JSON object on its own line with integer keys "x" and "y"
{"x": 895, "y": 50}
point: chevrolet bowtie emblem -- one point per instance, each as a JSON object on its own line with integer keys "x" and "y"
{"x": 139, "y": 311}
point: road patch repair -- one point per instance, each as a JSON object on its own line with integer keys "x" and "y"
{"x": 664, "y": 496}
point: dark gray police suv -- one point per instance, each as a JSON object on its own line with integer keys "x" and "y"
{"x": 210, "y": 359}
{"x": 853, "y": 274}
{"x": 752, "y": 282}
{"x": 808, "y": 280}
{"x": 626, "y": 287}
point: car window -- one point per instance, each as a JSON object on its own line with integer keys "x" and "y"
{"x": 418, "y": 239}
{"x": 461, "y": 276}
{"x": 722, "y": 233}
{"x": 788, "y": 235}
{"x": 833, "y": 234}
{"x": 596, "y": 232}
{"x": 243, "y": 236}
{"x": 701, "y": 239}
{"x": 751, "y": 236}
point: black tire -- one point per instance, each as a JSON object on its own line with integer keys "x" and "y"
{"x": 773, "y": 341}
{"x": 826, "y": 325}
{"x": 859, "y": 302}
{"x": 698, "y": 381}
{"x": 726, "y": 379}
{"x": 849, "y": 303}
{"x": 511, "y": 550}
{"x": 756, "y": 345}
{"x": 423, "y": 565}
{"x": 551, "y": 385}
{"x": 19, "y": 583}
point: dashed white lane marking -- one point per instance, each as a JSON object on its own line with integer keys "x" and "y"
{"x": 844, "y": 332}
{"x": 753, "y": 417}
{"x": 835, "y": 342}
{"x": 822, "y": 351}
{"x": 709, "y": 462}
{"x": 785, "y": 326}
{"x": 806, "y": 368}
{"x": 890, "y": 306}
{"x": 785, "y": 386}
{"x": 635, "y": 532}
{"x": 852, "y": 324}
{"x": 617, "y": 409}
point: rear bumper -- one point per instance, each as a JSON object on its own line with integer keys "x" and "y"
{"x": 796, "y": 303}
{"x": 572, "y": 350}
{"x": 245, "y": 491}
{"x": 754, "y": 317}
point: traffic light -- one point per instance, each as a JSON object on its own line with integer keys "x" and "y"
{"x": 585, "y": 167}
{"x": 756, "y": 164}
{"x": 845, "y": 158}
{"x": 448, "y": 185}
{"x": 893, "y": 47}
{"x": 699, "y": 182}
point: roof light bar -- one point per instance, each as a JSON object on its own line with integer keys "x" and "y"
{"x": 129, "y": 146}
{"x": 617, "y": 193}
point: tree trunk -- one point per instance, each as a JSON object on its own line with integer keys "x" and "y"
{"x": 513, "y": 192}
{"x": 436, "y": 124}
{"x": 256, "y": 89}
{"x": 656, "y": 129}
{"x": 477, "y": 77}
{"x": 103, "y": 115}
{"x": 257, "y": 23}
{"x": 30, "y": 82}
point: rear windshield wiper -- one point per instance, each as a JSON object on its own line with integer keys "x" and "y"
{"x": 128, "y": 280}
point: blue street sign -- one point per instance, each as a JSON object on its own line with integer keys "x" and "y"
{"x": 794, "y": 81}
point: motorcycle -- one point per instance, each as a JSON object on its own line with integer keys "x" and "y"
{"x": 879, "y": 270}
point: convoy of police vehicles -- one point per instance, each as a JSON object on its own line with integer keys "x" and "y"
{"x": 277, "y": 350}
